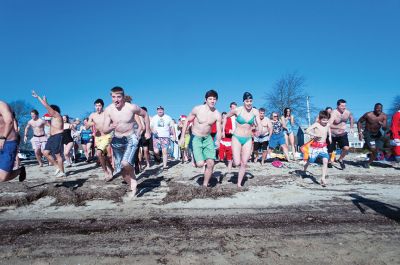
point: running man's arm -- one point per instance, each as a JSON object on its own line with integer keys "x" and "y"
{"x": 189, "y": 118}
{"x": 107, "y": 122}
{"x": 140, "y": 126}
{"x": 270, "y": 127}
{"x": 359, "y": 125}
{"x": 384, "y": 122}
{"x": 146, "y": 118}
{"x": 219, "y": 129}
{"x": 49, "y": 109}
{"x": 90, "y": 121}
{"x": 329, "y": 133}
{"x": 351, "y": 122}
{"x": 28, "y": 125}
{"x": 8, "y": 118}
{"x": 310, "y": 129}
{"x": 259, "y": 126}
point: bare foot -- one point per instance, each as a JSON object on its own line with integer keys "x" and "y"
{"x": 323, "y": 182}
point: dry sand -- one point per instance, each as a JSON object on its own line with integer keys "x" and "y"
{"x": 281, "y": 217}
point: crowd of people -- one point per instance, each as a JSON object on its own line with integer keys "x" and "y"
{"x": 121, "y": 136}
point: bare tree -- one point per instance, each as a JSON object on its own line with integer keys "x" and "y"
{"x": 22, "y": 111}
{"x": 288, "y": 92}
{"x": 395, "y": 105}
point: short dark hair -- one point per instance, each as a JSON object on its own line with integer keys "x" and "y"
{"x": 378, "y": 104}
{"x": 326, "y": 109}
{"x": 55, "y": 108}
{"x": 224, "y": 112}
{"x": 211, "y": 93}
{"x": 247, "y": 95}
{"x": 340, "y": 101}
{"x": 118, "y": 90}
{"x": 67, "y": 117}
{"x": 35, "y": 112}
{"x": 144, "y": 108}
{"x": 323, "y": 114}
{"x": 99, "y": 101}
{"x": 233, "y": 103}
{"x": 262, "y": 110}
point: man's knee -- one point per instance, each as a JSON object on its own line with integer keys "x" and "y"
{"x": 210, "y": 163}
{"x": 200, "y": 164}
{"x": 3, "y": 175}
{"x": 126, "y": 165}
{"x": 346, "y": 148}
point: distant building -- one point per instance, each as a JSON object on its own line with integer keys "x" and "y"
{"x": 354, "y": 142}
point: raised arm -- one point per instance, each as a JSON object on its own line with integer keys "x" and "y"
{"x": 49, "y": 109}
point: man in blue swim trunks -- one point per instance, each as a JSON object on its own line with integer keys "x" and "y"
{"x": 120, "y": 118}
{"x": 8, "y": 146}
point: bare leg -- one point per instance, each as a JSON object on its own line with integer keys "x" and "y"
{"x": 230, "y": 162}
{"x": 245, "y": 153}
{"x": 146, "y": 155}
{"x": 285, "y": 152}
{"x": 60, "y": 163}
{"x": 324, "y": 171}
{"x": 264, "y": 156}
{"x": 7, "y": 176}
{"x": 103, "y": 162}
{"x": 291, "y": 143}
{"x": 208, "y": 171}
{"x": 67, "y": 150}
{"x": 373, "y": 155}
{"x": 165, "y": 157}
{"x": 128, "y": 175}
{"x": 38, "y": 155}
{"x": 344, "y": 153}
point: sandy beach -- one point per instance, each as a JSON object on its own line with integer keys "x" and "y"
{"x": 281, "y": 216}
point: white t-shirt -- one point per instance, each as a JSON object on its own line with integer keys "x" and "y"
{"x": 161, "y": 125}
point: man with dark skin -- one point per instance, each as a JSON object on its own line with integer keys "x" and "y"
{"x": 374, "y": 121}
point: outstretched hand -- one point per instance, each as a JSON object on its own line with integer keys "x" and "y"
{"x": 34, "y": 94}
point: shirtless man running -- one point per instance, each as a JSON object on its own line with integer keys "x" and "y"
{"x": 374, "y": 121}
{"x": 120, "y": 118}
{"x": 54, "y": 145}
{"x": 261, "y": 141}
{"x": 102, "y": 140}
{"x": 39, "y": 138}
{"x": 8, "y": 146}
{"x": 203, "y": 117}
{"x": 338, "y": 121}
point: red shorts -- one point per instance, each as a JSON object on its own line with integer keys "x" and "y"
{"x": 225, "y": 152}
